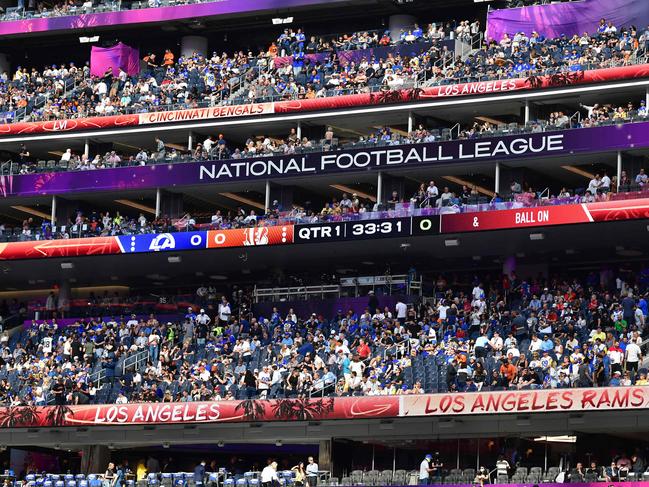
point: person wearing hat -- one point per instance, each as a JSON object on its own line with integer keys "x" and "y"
{"x": 425, "y": 469}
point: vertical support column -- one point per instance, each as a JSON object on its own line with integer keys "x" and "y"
{"x": 53, "y": 217}
{"x": 619, "y": 169}
{"x": 527, "y": 111}
{"x": 324, "y": 456}
{"x": 458, "y": 454}
{"x": 190, "y": 141}
{"x": 411, "y": 122}
{"x": 545, "y": 456}
{"x": 298, "y": 131}
{"x": 497, "y": 179}
{"x": 509, "y": 265}
{"x": 86, "y": 148}
{"x": 94, "y": 458}
{"x": 267, "y": 198}
{"x": 477, "y": 457}
{"x": 158, "y": 202}
{"x": 379, "y": 188}
{"x": 646, "y": 97}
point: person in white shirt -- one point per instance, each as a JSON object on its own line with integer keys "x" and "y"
{"x": 224, "y": 311}
{"x": 401, "y": 310}
{"x": 633, "y": 357}
{"x": 432, "y": 193}
{"x": 132, "y": 322}
{"x": 616, "y": 356}
{"x": 594, "y": 185}
{"x": 478, "y": 292}
{"x": 202, "y": 318}
{"x": 276, "y": 381}
{"x": 208, "y": 144}
{"x": 425, "y": 470}
{"x": 605, "y": 184}
{"x": 269, "y": 475}
{"x": 263, "y": 382}
{"x": 502, "y": 467}
{"x": 311, "y": 473}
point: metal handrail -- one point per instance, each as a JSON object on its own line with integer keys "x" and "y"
{"x": 97, "y": 378}
{"x": 295, "y": 291}
{"x": 136, "y": 361}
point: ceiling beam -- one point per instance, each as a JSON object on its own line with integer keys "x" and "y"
{"x": 460, "y": 181}
{"x": 32, "y": 211}
{"x": 347, "y": 189}
{"x": 137, "y": 206}
{"x": 579, "y": 172}
{"x": 244, "y": 200}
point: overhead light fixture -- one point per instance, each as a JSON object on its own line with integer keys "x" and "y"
{"x": 278, "y": 443}
{"x": 557, "y": 439}
{"x": 174, "y": 259}
{"x": 523, "y": 421}
{"x": 88, "y": 40}
{"x": 452, "y": 242}
{"x": 67, "y": 265}
{"x": 280, "y": 21}
{"x": 446, "y": 423}
{"x": 220, "y": 444}
{"x": 537, "y": 236}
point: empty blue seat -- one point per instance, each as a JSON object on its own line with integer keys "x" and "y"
{"x": 228, "y": 482}
{"x": 59, "y": 483}
{"x": 82, "y": 483}
{"x": 242, "y": 482}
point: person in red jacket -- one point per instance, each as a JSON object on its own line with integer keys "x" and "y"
{"x": 363, "y": 349}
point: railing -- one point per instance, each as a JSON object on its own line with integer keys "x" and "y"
{"x": 299, "y": 292}
{"x": 399, "y": 349}
{"x": 97, "y": 378}
{"x": 136, "y": 361}
{"x": 410, "y": 282}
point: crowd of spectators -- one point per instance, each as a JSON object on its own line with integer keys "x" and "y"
{"x": 513, "y": 333}
{"x": 68, "y": 91}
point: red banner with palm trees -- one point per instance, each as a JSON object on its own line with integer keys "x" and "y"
{"x": 304, "y": 409}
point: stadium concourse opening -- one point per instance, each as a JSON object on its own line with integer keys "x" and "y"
{"x": 549, "y": 456}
